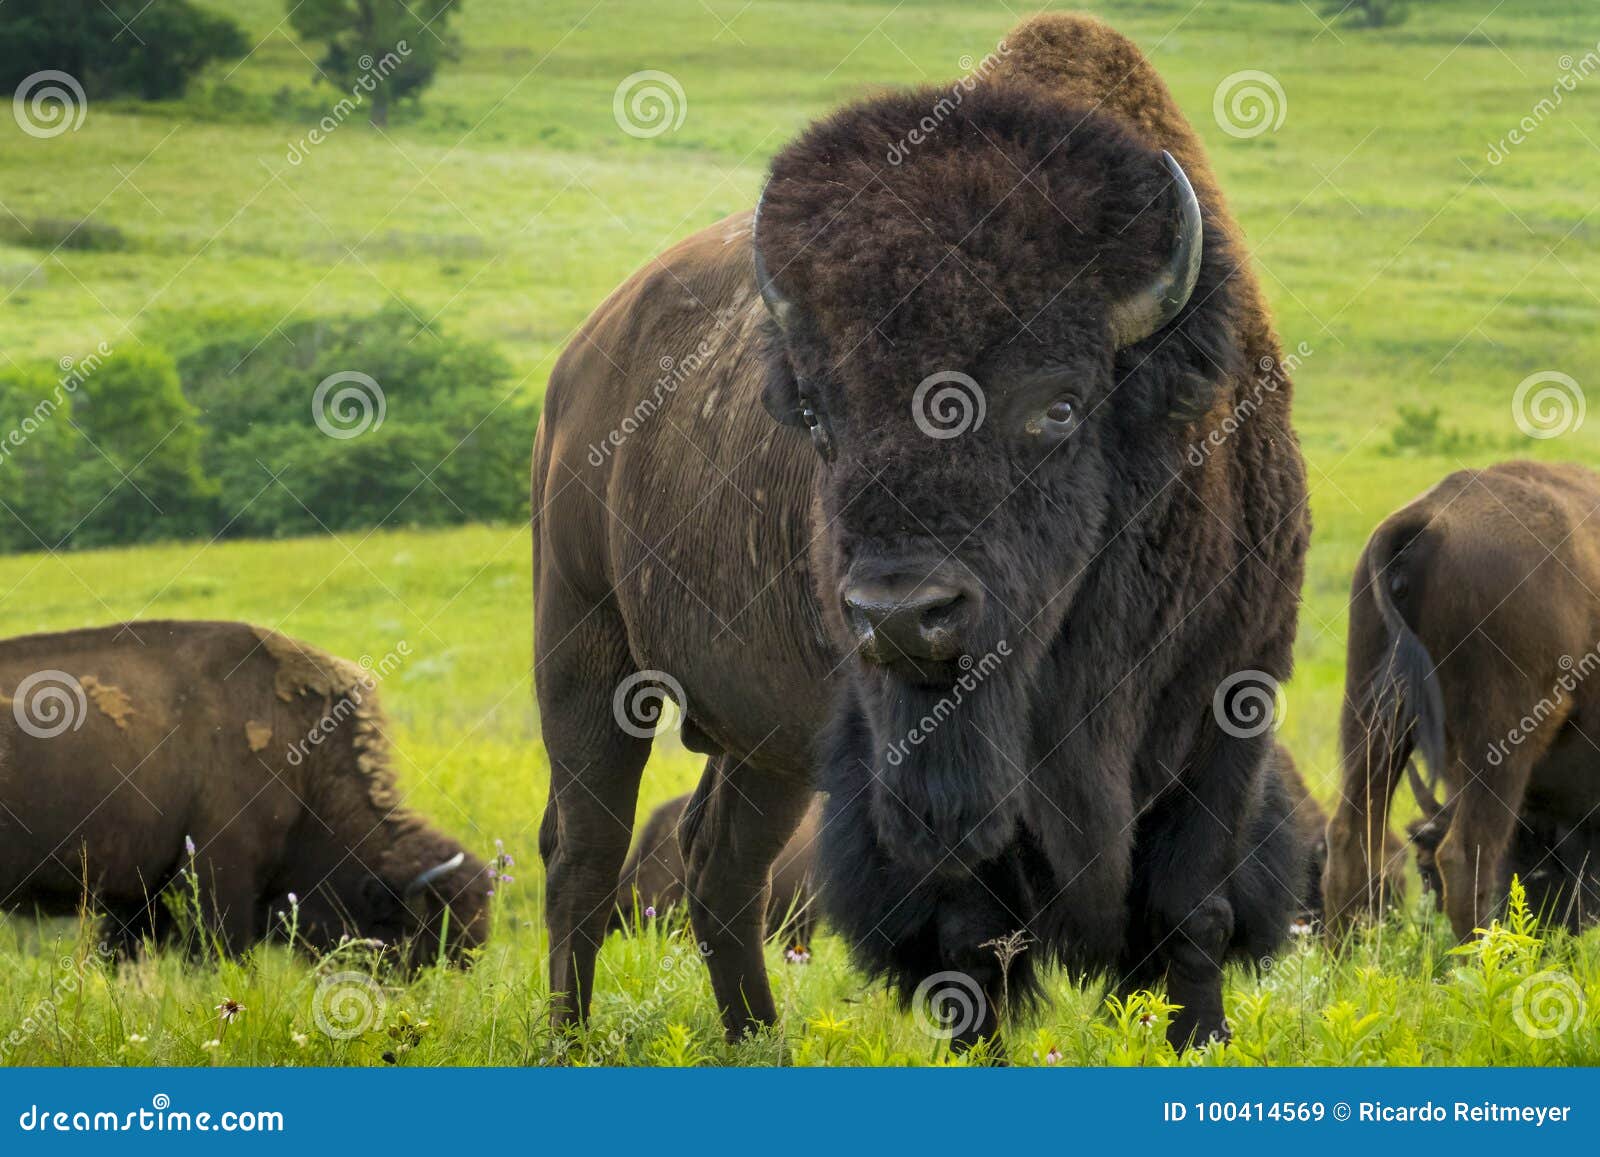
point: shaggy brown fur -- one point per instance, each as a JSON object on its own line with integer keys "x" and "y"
{"x": 654, "y": 875}
{"x": 269, "y": 754}
{"x": 678, "y": 530}
{"x": 1475, "y": 642}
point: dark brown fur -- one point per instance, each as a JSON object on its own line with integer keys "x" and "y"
{"x": 1473, "y": 608}
{"x": 709, "y": 543}
{"x": 654, "y": 875}
{"x": 199, "y": 730}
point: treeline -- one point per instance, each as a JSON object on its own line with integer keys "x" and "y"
{"x": 231, "y": 427}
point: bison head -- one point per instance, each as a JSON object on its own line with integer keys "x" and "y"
{"x": 994, "y": 314}
{"x": 423, "y": 891}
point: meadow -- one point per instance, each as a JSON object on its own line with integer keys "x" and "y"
{"x": 1422, "y": 279}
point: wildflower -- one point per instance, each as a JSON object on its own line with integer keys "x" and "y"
{"x": 294, "y": 901}
{"x": 650, "y": 912}
{"x": 299, "y": 1039}
{"x": 505, "y": 879}
{"x": 1300, "y": 928}
{"x": 135, "y": 1039}
{"x": 229, "y": 1009}
{"x": 797, "y": 954}
{"x": 1148, "y": 1019}
{"x": 210, "y": 1045}
{"x": 1053, "y": 1057}
{"x": 188, "y": 846}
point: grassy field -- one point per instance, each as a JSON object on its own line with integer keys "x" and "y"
{"x": 1417, "y": 272}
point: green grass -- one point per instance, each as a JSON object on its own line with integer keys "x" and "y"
{"x": 509, "y": 204}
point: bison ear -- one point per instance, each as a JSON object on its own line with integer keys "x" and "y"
{"x": 780, "y": 389}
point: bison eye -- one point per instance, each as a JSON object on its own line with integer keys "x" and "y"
{"x": 808, "y": 415}
{"x": 1060, "y": 420}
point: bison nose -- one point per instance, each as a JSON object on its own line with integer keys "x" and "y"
{"x": 909, "y": 619}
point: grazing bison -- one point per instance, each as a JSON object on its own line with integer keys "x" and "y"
{"x": 654, "y": 875}
{"x": 995, "y": 638}
{"x": 1557, "y": 860}
{"x": 1475, "y": 643}
{"x": 121, "y": 745}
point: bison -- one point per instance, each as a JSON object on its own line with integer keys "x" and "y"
{"x": 1474, "y": 643}
{"x": 252, "y": 764}
{"x": 895, "y": 487}
{"x": 653, "y": 877}
{"x": 1557, "y": 860}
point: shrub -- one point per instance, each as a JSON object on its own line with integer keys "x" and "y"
{"x": 115, "y": 47}
{"x": 451, "y": 446}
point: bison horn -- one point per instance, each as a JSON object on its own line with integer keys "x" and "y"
{"x": 435, "y": 873}
{"x": 1153, "y": 307}
{"x": 781, "y": 308}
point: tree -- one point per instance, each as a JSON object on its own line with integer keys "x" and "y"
{"x": 380, "y": 51}
{"x": 115, "y": 47}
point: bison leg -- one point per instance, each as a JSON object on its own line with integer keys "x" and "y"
{"x": 734, "y": 828}
{"x": 1363, "y": 872}
{"x": 581, "y": 659}
{"x": 1472, "y": 858}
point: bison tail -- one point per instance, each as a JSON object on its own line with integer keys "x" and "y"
{"x": 1406, "y": 693}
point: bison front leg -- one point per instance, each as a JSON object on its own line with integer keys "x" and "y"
{"x": 581, "y": 659}
{"x": 732, "y": 831}
{"x": 1190, "y": 848}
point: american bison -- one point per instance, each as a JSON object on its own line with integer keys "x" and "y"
{"x": 653, "y": 877}
{"x": 133, "y": 754}
{"x": 1556, "y": 859}
{"x": 1475, "y": 643}
{"x": 890, "y": 485}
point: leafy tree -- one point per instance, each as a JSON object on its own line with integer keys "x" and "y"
{"x": 380, "y": 51}
{"x": 115, "y": 47}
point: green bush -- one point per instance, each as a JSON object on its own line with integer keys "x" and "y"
{"x": 115, "y": 47}
{"x": 452, "y": 445}
{"x": 215, "y": 432}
